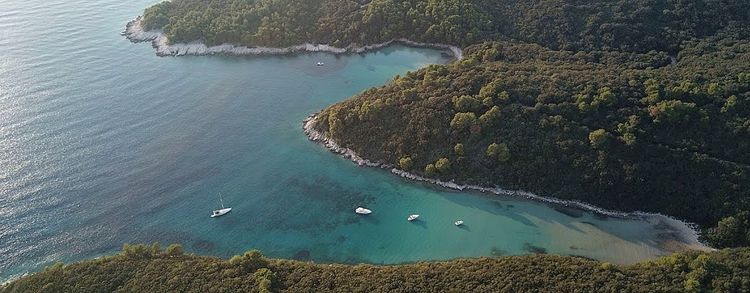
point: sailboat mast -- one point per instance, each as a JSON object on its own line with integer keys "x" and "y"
{"x": 221, "y": 200}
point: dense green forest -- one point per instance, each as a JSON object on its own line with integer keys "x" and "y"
{"x": 144, "y": 268}
{"x": 625, "y": 131}
{"x": 628, "y": 25}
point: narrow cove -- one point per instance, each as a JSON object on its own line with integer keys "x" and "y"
{"x": 315, "y": 219}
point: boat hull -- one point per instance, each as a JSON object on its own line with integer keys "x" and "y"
{"x": 362, "y": 211}
{"x": 221, "y": 212}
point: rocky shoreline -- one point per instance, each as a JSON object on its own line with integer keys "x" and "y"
{"x": 318, "y": 137}
{"x": 135, "y": 33}
{"x": 314, "y": 135}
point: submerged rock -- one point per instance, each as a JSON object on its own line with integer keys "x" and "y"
{"x": 534, "y": 249}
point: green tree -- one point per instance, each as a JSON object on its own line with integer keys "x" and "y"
{"x": 250, "y": 261}
{"x": 700, "y": 267}
{"x": 406, "y": 163}
{"x": 409, "y": 94}
{"x": 499, "y": 152}
{"x": 490, "y": 90}
{"x": 598, "y": 138}
{"x": 488, "y": 101}
{"x": 443, "y": 165}
{"x": 489, "y": 118}
{"x": 430, "y": 170}
{"x": 604, "y": 97}
{"x": 744, "y": 78}
{"x": 628, "y": 130}
{"x": 731, "y": 231}
{"x": 462, "y": 121}
{"x": 607, "y": 266}
{"x": 459, "y": 149}
{"x": 466, "y": 103}
{"x": 174, "y": 250}
{"x": 503, "y": 96}
{"x": 265, "y": 279}
{"x": 730, "y": 103}
{"x": 713, "y": 89}
{"x": 673, "y": 111}
{"x": 654, "y": 92}
{"x": 140, "y": 251}
{"x": 584, "y": 102}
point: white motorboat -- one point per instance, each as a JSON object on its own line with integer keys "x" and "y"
{"x": 459, "y": 223}
{"x": 222, "y": 211}
{"x": 319, "y": 64}
{"x": 362, "y": 211}
{"x": 412, "y": 217}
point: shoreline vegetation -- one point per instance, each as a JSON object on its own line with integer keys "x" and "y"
{"x": 135, "y": 32}
{"x": 688, "y": 233}
{"x": 321, "y": 138}
{"x": 148, "y": 268}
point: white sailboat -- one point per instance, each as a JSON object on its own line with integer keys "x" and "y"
{"x": 362, "y": 211}
{"x": 222, "y": 211}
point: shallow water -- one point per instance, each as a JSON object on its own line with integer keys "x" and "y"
{"x": 102, "y": 143}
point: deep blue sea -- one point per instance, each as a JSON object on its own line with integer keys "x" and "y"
{"x": 103, "y": 143}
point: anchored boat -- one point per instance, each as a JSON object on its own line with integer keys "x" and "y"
{"x": 362, "y": 211}
{"x": 222, "y": 211}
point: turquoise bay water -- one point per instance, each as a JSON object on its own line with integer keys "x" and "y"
{"x": 104, "y": 143}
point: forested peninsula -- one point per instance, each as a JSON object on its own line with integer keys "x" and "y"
{"x": 624, "y": 131}
{"x": 629, "y": 105}
{"x": 147, "y": 268}
{"x": 634, "y": 26}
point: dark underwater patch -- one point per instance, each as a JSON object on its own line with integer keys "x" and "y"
{"x": 570, "y": 212}
{"x": 589, "y": 223}
{"x": 534, "y": 249}
{"x": 303, "y": 255}
{"x": 497, "y": 251}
